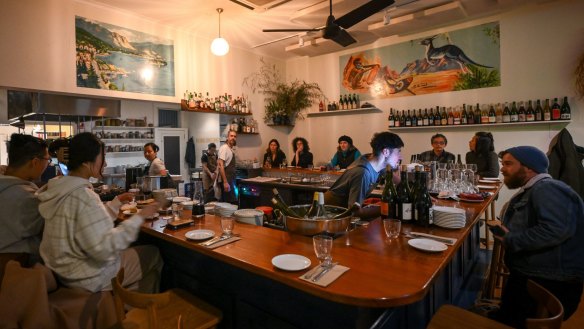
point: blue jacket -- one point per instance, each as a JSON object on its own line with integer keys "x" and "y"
{"x": 546, "y": 229}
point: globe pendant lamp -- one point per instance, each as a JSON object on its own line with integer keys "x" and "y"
{"x": 219, "y": 46}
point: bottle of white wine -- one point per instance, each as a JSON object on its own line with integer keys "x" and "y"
{"x": 389, "y": 196}
{"x": 404, "y": 197}
{"x": 317, "y": 209}
{"x": 281, "y": 204}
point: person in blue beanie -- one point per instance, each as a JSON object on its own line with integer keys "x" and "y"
{"x": 542, "y": 233}
{"x": 346, "y": 153}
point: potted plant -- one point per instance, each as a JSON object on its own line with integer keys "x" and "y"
{"x": 284, "y": 101}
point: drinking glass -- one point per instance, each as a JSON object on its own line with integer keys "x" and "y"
{"x": 323, "y": 246}
{"x": 310, "y": 167}
{"x": 392, "y": 227}
{"x": 177, "y": 209}
{"x": 227, "y": 225}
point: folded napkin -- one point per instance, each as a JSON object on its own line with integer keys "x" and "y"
{"x": 224, "y": 242}
{"x": 443, "y": 239}
{"x": 328, "y": 278}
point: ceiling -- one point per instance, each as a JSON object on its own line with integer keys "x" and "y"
{"x": 242, "y": 26}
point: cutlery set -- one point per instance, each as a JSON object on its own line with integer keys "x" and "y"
{"x": 317, "y": 275}
{"x": 217, "y": 240}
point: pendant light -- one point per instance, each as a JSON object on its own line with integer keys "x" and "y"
{"x": 219, "y": 46}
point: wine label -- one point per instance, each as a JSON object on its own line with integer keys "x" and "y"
{"x": 407, "y": 211}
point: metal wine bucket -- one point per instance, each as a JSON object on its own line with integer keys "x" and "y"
{"x": 312, "y": 226}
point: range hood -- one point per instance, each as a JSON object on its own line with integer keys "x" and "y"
{"x": 35, "y": 106}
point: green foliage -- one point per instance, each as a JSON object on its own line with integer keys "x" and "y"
{"x": 282, "y": 99}
{"x": 494, "y": 33}
{"x": 477, "y": 77}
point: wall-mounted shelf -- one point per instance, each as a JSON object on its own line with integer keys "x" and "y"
{"x": 345, "y": 112}
{"x": 121, "y": 128}
{"x": 127, "y": 140}
{"x": 185, "y": 107}
{"x": 243, "y": 133}
{"x": 485, "y": 125}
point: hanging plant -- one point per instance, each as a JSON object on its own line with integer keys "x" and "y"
{"x": 284, "y": 101}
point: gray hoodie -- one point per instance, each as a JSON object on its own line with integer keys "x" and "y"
{"x": 80, "y": 243}
{"x": 21, "y": 223}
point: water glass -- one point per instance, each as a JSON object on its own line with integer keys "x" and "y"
{"x": 227, "y": 225}
{"x": 392, "y": 228}
{"x": 177, "y": 209}
{"x": 323, "y": 246}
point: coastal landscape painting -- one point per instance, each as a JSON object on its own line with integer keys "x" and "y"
{"x": 116, "y": 58}
{"x": 457, "y": 60}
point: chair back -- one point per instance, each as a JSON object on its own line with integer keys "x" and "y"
{"x": 549, "y": 310}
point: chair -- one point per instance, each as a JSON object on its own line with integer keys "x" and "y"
{"x": 498, "y": 273}
{"x": 174, "y": 308}
{"x": 549, "y": 314}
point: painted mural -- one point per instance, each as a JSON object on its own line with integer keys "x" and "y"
{"x": 116, "y": 58}
{"x": 457, "y": 60}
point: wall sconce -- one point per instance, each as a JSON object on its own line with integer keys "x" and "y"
{"x": 219, "y": 46}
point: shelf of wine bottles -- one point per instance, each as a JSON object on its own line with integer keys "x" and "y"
{"x": 529, "y": 112}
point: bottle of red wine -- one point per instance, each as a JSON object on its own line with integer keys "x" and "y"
{"x": 388, "y": 196}
{"x": 556, "y": 112}
{"x": 281, "y": 204}
{"x": 423, "y": 203}
{"x": 404, "y": 197}
{"x": 565, "y": 112}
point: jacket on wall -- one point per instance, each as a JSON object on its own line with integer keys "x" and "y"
{"x": 566, "y": 161}
{"x": 190, "y": 156}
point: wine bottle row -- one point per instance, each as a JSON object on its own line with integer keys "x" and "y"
{"x": 516, "y": 112}
{"x": 346, "y": 102}
{"x": 412, "y": 205}
{"x": 221, "y": 103}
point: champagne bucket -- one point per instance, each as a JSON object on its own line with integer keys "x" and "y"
{"x": 313, "y": 226}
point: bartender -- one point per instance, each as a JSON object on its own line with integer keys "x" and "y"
{"x": 361, "y": 176}
{"x": 226, "y": 166}
{"x": 155, "y": 166}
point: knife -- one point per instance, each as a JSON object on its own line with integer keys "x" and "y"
{"x": 323, "y": 272}
{"x": 435, "y": 238}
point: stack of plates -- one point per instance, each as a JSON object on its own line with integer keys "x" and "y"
{"x": 249, "y": 216}
{"x": 225, "y": 209}
{"x": 449, "y": 217}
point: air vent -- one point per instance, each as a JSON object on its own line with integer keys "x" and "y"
{"x": 260, "y": 5}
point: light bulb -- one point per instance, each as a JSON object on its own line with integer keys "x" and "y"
{"x": 219, "y": 47}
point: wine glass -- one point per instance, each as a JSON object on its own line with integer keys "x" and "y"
{"x": 323, "y": 246}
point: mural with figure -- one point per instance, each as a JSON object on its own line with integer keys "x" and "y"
{"x": 117, "y": 58}
{"x": 456, "y": 60}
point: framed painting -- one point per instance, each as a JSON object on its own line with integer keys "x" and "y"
{"x": 116, "y": 58}
{"x": 456, "y": 60}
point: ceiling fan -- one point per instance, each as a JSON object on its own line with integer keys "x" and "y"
{"x": 335, "y": 29}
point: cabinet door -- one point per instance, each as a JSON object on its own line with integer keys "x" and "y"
{"x": 172, "y": 143}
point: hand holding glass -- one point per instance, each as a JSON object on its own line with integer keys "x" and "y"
{"x": 323, "y": 246}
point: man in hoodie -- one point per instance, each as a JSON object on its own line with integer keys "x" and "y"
{"x": 80, "y": 243}
{"x": 21, "y": 223}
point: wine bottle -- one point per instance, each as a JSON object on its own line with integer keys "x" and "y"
{"x": 506, "y": 113}
{"x": 278, "y": 201}
{"x": 388, "y": 196}
{"x": 477, "y": 114}
{"x": 423, "y": 203}
{"x": 458, "y": 159}
{"x": 470, "y": 116}
{"x": 456, "y": 115}
{"x": 538, "y": 111}
{"x": 321, "y": 106}
{"x": 529, "y": 114}
{"x": 514, "y": 114}
{"x": 408, "y": 120}
{"x": 317, "y": 208}
{"x": 565, "y": 112}
{"x": 450, "y": 117}
{"x": 521, "y": 113}
{"x": 420, "y": 118}
{"x": 484, "y": 115}
{"x": 431, "y": 117}
{"x": 547, "y": 113}
{"x": 404, "y": 205}
{"x": 425, "y": 119}
{"x": 492, "y": 115}
{"x": 390, "y": 119}
{"x": 556, "y": 112}
{"x": 444, "y": 117}
{"x": 463, "y": 115}
{"x": 414, "y": 119}
{"x": 402, "y": 119}
{"x": 349, "y": 212}
{"x": 498, "y": 114}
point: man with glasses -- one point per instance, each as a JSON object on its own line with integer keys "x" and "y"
{"x": 361, "y": 176}
{"x": 437, "y": 153}
{"x": 21, "y": 223}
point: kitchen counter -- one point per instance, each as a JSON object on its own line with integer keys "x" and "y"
{"x": 388, "y": 280}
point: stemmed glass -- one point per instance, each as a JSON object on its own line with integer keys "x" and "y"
{"x": 323, "y": 246}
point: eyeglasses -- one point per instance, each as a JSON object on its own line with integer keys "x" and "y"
{"x": 439, "y": 143}
{"x": 49, "y": 159}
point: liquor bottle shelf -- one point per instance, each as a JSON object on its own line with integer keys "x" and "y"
{"x": 127, "y": 140}
{"x": 185, "y": 107}
{"x": 344, "y": 112}
{"x": 121, "y": 128}
{"x": 502, "y": 124}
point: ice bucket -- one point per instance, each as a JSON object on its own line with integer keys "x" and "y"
{"x": 312, "y": 226}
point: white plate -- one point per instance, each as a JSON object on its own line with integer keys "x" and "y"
{"x": 487, "y": 187}
{"x": 488, "y": 181}
{"x": 199, "y": 234}
{"x": 291, "y": 262}
{"x": 427, "y": 245}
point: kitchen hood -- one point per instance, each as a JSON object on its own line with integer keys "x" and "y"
{"x": 35, "y": 106}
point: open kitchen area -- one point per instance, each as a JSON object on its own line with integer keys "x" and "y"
{"x": 143, "y": 77}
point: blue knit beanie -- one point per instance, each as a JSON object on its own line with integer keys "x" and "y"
{"x": 531, "y": 157}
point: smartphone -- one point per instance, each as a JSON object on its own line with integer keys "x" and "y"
{"x": 497, "y": 230}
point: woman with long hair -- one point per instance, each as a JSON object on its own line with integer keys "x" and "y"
{"x": 482, "y": 153}
{"x": 274, "y": 156}
{"x": 302, "y": 156}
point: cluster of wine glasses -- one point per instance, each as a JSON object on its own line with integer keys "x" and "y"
{"x": 454, "y": 178}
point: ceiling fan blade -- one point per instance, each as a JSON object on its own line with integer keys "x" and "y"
{"x": 338, "y": 35}
{"x": 357, "y": 15}
{"x": 292, "y": 30}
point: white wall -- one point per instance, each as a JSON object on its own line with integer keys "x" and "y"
{"x": 540, "y": 46}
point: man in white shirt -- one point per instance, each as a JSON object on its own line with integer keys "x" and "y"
{"x": 226, "y": 166}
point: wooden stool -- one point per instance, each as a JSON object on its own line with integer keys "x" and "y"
{"x": 174, "y": 308}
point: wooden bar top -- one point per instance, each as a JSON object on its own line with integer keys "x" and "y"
{"x": 383, "y": 272}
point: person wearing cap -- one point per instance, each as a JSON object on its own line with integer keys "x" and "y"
{"x": 346, "y": 153}
{"x": 542, "y": 233}
{"x": 437, "y": 153}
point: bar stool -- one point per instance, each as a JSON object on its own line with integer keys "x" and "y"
{"x": 174, "y": 308}
{"x": 498, "y": 273}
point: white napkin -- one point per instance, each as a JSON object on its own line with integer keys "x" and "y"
{"x": 328, "y": 278}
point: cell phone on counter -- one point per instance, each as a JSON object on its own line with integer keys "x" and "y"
{"x": 497, "y": 230}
